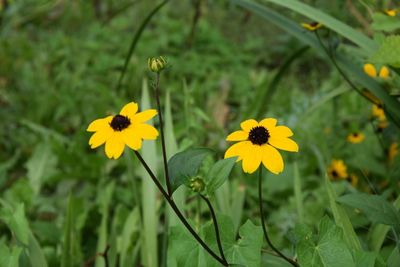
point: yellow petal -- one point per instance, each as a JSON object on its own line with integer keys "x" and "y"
{"x": 114, "y": 146}
{"x": 100, "y": 137}
{"x": 370, "y": 70}
{"x": 100, "y": 124}
{"x": 237, "y": 150}
{"x": 131, "y": 139}
{"x": 145, "y": 131}
{"x": 280, "y": 131}
{"x": 252, "y": 158}
{"x": 247, "y": 125}
{"x": 145, "y": 115}
{"x": 237, "y": 136}
{"x": 268, "y": 123}
{"x": 284, "y": 144}
{"x": 129, "y": 110}
{"x": 272, "y": 159}
{"x": 384, "y": 72}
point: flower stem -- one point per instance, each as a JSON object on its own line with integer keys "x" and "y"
{"x": 172, "y": 204}
{"x": 263, "y": 223}
{"x": 216, "y": 227}
{"x": 164, "y": 150}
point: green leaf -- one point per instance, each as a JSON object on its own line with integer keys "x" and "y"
{"x": 246, "y": 251}
{"x": 330, "y": 22}
{"x": 218, "y": 174}
{"x": 341, "y": 218}
{"x": 376, "y": 208}
{"x": 184, "y": 165}
{"x": 394, "y": 258}
{"x": 328, "y": 250}
{"x": 388, "y": 52}
{"x": 382, "y": 22}
{"x": 40, "y": 166}
{"x": 365, "y": 259}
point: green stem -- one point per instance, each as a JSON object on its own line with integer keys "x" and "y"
{"x": 178, "y": 212}
{"x": 216, "y": 227}
{"x": 263, "y": 222}
{"x": 164, "y": 150}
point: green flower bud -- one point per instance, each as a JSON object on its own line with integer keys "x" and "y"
{"x": 197, "y": 184}
{"x": 157, "y": 64}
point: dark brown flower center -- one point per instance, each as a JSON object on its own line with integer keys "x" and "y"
{"x": 334, "y": 174}
{"x": 120, "y": 122}
{"x": 314, "y": 24}
{"x": 355, "y": 134}
{"x": 259, "y": 135}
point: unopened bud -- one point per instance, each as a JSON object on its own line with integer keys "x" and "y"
{"x": 157, "y": 64}
{"x": 197, "y": 184}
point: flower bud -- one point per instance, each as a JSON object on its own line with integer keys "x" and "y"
{"x": 197, "y": 184}
{"x": 157, "y": 64}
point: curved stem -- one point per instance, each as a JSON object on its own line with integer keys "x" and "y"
{"x": 215, "y": 222}
{"x": 263, "y": 222}
{"x": 178, "y": 212}
{"x": 164, "y": 150}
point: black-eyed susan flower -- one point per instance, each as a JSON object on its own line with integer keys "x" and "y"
{"x": 312, "y": 26}
{"x": 126, "y": 128}
{"x": 382, "y": 125}
{"x": 337, "y": 170}
{"x": 355, "y": 137}
{"x": 353, "y": 179}
{"x": 390, "y": 12}
{"x": 378, "y": 112}
{"x": 258, "y": 142}
{"x": 371, "y": 71}
{"x": 393, "y": 151}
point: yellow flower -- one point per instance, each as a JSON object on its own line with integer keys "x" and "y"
{"x": 393, "y": 151}
{"x": 337, "y": 170}
{"x": 382, "y": 125}
{"x": 378, "y": 112}
{"x": 371, "y": 71}
{"x": 311, "y": 26}
{"x": 126, "y": 128}
{"x": 390, "y": 12}
{"x": 258, "y": 142}
{"x": 353, "y": 179}
{"x": 355, "y": 137}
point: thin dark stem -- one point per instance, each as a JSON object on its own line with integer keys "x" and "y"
{"x": 215, "y": 222}
{"x": 164, "y": 150}
{"x": 178, "y": 212}
{"x": 332, "y": 58}
{"x": 263, "y": 222}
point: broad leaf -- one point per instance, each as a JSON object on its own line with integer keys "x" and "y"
{"x": 184, "y": 165}
{"x": 382, "y": 22}
{"x": 376, "y": 208}
{"x": 219, "y": 173}
{"x": 388, "y": 52}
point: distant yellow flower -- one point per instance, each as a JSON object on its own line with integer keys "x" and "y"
{"x": 393, "y": 151}
{"x": 355, "y": 137}
{"x": 311, "y": 26}
{"x": 371, "y": 71}
{"x": 258, "y": 142}
{"x": 378, "y": 112}
{"x": 353, "y": 179}
{"x": 337, "y": 170}
{"x": 382, "y": 125}
{"x": 390, "y": 12}
{"x": 126, "y": 128}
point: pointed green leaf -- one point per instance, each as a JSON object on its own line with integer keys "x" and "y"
{"x": 218, "y": 174}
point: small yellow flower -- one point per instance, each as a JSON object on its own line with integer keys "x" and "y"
{"x": 353, "y": 179}
{"x": 258, "y": 142}
{"x": 337, "y": 170}
{"x": 313, "y": 26}
{"x": 390, "y": 12}
{"x": 355, "y": 137}
{"x": 382, "y": 125}
{"x": 371, "y": 71}
{"x": 157, "y": 64}
{"x": 378, "y": 112}
{"x": 393, "y": 151}
{"x": 126, "y": 128}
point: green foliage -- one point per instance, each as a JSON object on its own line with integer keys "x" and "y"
{"x": 387, "y": 52}
{"x": 383, "y": 22}
{"x": 184, "y": 165}
{"x": 219, "y": 173}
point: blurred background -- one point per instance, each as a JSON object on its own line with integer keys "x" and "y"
{"x": 60, "y": 63}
